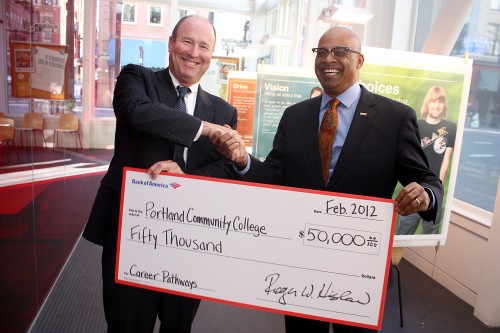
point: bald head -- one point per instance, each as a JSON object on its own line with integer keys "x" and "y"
{"x": 181, "y": 21}
{"x": 344, "y": 34}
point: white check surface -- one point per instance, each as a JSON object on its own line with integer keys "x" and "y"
{"x": 312, "y": 254}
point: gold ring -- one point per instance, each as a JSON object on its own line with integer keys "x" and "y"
{"x": 418, "y": 201}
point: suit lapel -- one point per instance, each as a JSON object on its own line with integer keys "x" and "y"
{"x": 310, "y": 128}
{"x": 361, "y": 122}
{"x": 165, "y": 88}
{"x": 204, "y": 108}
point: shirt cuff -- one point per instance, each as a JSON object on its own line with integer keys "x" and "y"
{"x": 432, "y": 198}
{"x": 242, "y": 172}
{"x": 199, "y": 132}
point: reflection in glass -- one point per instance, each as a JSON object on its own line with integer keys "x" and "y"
{"x": 479, "y": 165}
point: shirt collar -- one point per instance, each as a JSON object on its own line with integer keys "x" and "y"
{"x": 194, "y": 87}
{"x": 346, "y": 98}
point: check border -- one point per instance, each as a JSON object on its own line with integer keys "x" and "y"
{"x": 166, "y": 183}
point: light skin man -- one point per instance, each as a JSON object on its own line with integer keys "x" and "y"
{"x": 149, "y": 128}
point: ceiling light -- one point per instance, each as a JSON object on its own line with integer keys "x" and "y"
{"x": 344, "y": 14}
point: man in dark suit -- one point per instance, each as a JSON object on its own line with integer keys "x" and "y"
{"x": 376, "y": 145}
{"x": 148, "y": 129}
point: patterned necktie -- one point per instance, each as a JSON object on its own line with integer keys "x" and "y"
{"x": 180, "y": 105}
{"x": 327, "y": 132}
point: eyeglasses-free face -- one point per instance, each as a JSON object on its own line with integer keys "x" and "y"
{"x": 337, "y": 52}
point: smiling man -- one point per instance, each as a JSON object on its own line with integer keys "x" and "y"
{"x": 189, "y": 54}
{"x": 160, "y": 117}
{"x": 366, "y": 146}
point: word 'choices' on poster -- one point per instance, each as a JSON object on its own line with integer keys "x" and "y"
{"x": 307, "y": 253}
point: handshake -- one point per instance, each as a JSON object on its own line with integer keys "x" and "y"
{"x": 227, "y": 142}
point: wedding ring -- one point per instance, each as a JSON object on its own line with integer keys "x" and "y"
{"x": 418, "y": 201}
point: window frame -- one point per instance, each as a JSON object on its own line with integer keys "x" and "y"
{"x": 134, "y": 12}
{"x": 150, "y": 12}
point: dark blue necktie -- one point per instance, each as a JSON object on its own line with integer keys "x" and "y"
{"x": 180, "y": 105}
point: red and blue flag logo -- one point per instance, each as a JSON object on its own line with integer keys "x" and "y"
{"x": 175, "y": 185}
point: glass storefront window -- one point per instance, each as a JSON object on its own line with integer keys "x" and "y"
{"x": 479, "y": 166}
{"x": 32, "y": 26}
{"x": 109, "y": 29}
{"x": 45, "y": 193}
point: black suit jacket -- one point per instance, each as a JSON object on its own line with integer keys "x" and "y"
{"x": 147, "y": 127}
{"x": 382, "y": 147}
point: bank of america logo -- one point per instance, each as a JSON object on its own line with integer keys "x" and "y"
{"x": 175, "y": 185}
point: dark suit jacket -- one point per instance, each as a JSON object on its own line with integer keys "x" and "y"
{"x": 381, "y": 148}
{"x": 147, "y": 127}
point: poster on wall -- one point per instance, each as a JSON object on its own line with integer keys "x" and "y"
{"x": 39, "y": 70}
{"x": 436, "y": 87}
{"x": 436, "y": 99}
{"x": 277, "y": 89}
{"x": 241, "y": 94}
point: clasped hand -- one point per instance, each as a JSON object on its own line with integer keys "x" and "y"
{"x": 230, "y": 144}
{"x": 227, "y": 141}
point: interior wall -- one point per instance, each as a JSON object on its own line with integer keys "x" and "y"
{"x": 487, "y": 307}
{"x": 101, "y": 133}
{"x": 454, "y": 265}
{"x": 467, "y": 264}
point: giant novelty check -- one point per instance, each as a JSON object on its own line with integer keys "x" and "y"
{"x": 313, "y": 254}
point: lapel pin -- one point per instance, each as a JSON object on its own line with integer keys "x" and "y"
{"x": 363, "y": 114}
